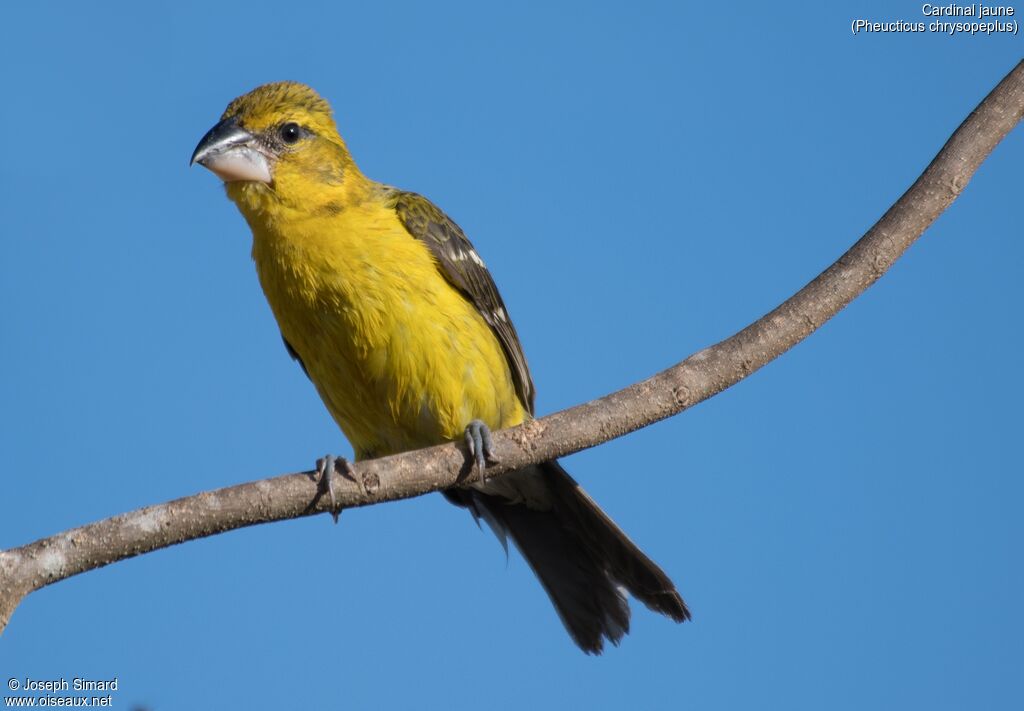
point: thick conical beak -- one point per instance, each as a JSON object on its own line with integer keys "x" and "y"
{"x": 231, "y": 153}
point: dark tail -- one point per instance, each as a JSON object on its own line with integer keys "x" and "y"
{"x": 580, "y": 556}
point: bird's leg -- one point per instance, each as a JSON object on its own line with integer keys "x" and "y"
{"x": 480, "y": 444}
{"x": 326, "y": 467}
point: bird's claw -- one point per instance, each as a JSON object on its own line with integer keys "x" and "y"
{"x": 480, "y": 444}
{"x": 325, "y": 468}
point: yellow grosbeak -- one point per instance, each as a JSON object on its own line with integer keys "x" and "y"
{"x": 392, "y": 314}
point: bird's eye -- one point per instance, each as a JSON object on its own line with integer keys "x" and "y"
{"x": 290, "y": 133}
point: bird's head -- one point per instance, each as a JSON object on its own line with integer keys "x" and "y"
{"x": 278, "y": 141}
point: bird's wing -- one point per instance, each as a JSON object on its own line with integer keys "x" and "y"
{"x": 462, "y": 267}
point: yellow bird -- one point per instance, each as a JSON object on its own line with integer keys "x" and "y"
{"x": 392, "y": 314}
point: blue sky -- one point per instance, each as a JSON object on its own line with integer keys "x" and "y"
{"x": 643, "y": 181}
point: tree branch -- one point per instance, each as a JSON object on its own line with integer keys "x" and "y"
{"x": 702, "y": 375}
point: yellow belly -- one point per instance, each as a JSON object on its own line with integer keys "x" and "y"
{"x": 400, "y": 358}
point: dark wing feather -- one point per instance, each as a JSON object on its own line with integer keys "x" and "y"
{"x": 295, "y": 355}
{"x": 462, "y": 267}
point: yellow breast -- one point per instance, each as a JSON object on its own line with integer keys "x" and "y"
{"x": 401, "y": 359}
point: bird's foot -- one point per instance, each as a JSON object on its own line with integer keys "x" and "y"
{"x": 480, "y": 444}
{"x": 325, "y": 468}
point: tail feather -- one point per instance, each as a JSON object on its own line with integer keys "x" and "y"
{"x": 580, "y": 556}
